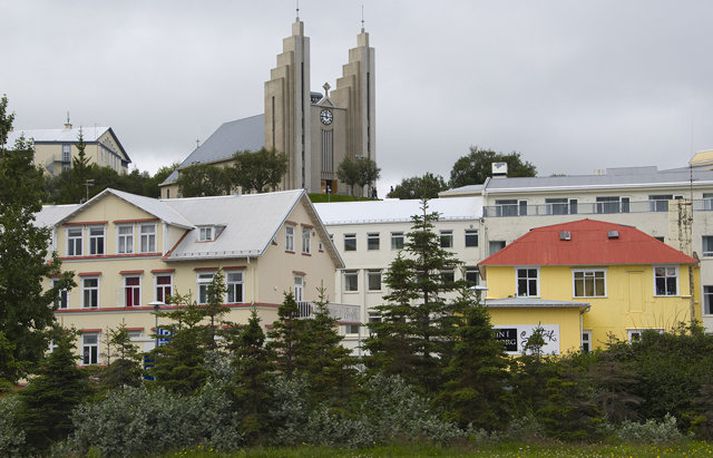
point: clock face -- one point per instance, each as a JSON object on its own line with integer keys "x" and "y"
{"x": 326, "y": 117}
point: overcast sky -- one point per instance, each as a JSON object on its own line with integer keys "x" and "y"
{"x": 572, "y": 85}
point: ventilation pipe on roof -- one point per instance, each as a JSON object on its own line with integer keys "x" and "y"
{"x": 613, "y": 234}
{"x": 565, "y": 235}
{"x": 499, "y": 169}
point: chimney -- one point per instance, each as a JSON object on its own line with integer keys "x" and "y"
{"x": 499, "y": 169}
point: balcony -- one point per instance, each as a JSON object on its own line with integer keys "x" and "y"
{"x": 590, "y": 208}
{"x": 341, "y": 312}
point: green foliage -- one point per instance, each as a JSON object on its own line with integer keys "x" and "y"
{"x": 9, "y": 368}
{"x": 474, "y": 391}
{"x": 651, "y": 431}
{"x": 415, "y": 334}
{"x": 12, "y": 437}
{"x": 475, "y": 167}
{"x": 214, "y": 308}
{"x": 125, "y": 370}
{"x": 614, "y": 383}
{"x": 251, "y": 387}
{"x": 258, "y": 171}
{"x": 358, "y": 171}
{"x": 49, "y": 399}
{"x": 286, "y": 336}
{"x": 424, "y": 187}
{"x": 26, "y": 308}
{"x": 204, "y": 180}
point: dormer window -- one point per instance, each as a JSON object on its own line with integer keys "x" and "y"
{"x": 206, "y": 234}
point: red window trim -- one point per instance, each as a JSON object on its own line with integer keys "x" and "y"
{"x": 86, "y": 223}
{"x": 91, "y": 331}
{"x": 131, "y": 272}
{"x": 163, "y": 271}
{"x": 90, "y": 274}
{"x": 234, "y": 267}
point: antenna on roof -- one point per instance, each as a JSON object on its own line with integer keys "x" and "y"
{"x": 362, "y": 18}
{"x": 68, "y": 124}
{"x": 297, "y": 10}
{"x": 198, "y": 143}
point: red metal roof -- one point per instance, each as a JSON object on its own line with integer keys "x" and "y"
{"x": 590, "y": 245}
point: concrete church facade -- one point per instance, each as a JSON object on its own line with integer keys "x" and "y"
{"x": 316, "y": 130}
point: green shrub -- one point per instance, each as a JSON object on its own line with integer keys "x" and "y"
{"x": 12, "y": 438}
{"x": 651, "y": 431}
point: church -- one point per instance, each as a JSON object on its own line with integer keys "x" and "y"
{"x": 317, "y": 130}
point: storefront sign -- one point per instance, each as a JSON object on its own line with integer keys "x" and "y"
{"x": 515, "y": 337}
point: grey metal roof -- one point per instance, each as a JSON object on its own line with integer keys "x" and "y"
{"x": 90, "y": 134}
{"x": 232, "y": 136}
{"x": 467, "y": 190}
{"x": 523, "y": 302}
{"x": 52, "y": 214}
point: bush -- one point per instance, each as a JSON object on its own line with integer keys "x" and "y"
{"x": 651, "y": 431}
{"x": 137, "y": 421}
{"x": 525, "y": 429}
{"x": 12, "y": 438}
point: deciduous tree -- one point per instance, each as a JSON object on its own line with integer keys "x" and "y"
{"x": 475, "y": 167}
{"x": 204, "y": 180}
{"x": 426, "y": 186}
{"x": 258, "y": 171}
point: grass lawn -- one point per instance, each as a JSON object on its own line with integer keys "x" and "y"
{"x": 688, "y": 449}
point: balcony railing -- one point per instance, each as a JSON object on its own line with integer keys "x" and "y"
{"x": 340, "y": 312}
{"x": 589, "y": 208}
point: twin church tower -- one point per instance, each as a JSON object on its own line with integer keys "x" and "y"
{"x": 317, "y": 130}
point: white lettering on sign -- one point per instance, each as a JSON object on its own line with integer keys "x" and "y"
{"x": 514, "y": 337}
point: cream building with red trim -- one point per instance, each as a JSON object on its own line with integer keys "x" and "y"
{"x": 128, "y": 251}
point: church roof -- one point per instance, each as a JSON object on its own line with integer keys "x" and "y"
{"x": 239, "y": 135}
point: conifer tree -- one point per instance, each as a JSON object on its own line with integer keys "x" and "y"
{"x": 286, "y": 336}
{"x": 416, "y": 314}
{"x": 254, "y": 371}
{"x": 475, "y": 378}
{"x": 215, "y": 308}
{"x": 530, "y": 373}
{"x": 8, "y": 366}
{"x": 26, "y": 311}
{"x": 125, "y": 370}
{"x": 327, "y": 365}
{"x": 49, "y": 399}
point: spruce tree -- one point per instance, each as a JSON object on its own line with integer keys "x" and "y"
{"x": 475, "y": 378}
{"x": 417, "y": 314}
{"x": 49, "y": 399}
{"x": 254, "y": 371}
{"x": 126, "y": 369}
{"x": 26, "y": 311}
{"x": 215, "y": 307}
{"x": 286, "y": 336}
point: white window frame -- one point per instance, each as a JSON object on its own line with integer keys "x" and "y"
{"x": 639, "y": 331}
{"x": 148, "y": 237}
{"x": 306, "y": 240}
{"x": 678, "y": 280}
{"x": 585, "y": 272}
{"x": 62, "y": 300}
{"x": 206, "y": 233}
{"x": 72, "y": 241}
{"x": 471, "y": 269}
{"x": 231, "y": 286}
{"x": 133, "y": 289}
{"x": 397, "y": 236}
{"x": 203, "y": 279}
{"x": 349, "y": 328}
{"x": 369, "y": 274}
{"x": 157, "y": 286}
{"x": 371, "y": 237}
{"x": 445, "y": 234}
{"x": 93, "y": 288}
{"x": 703, "y": 245}
{"x": 471, "y": 232}
{"x": 93, "y": 356}
{"x": 125, "y": 239}
{"x": 350, "y": 236}
{"x": 588, "y": 341}
{"x": 705, "y": 296}
{"x": 350, "y": 273}
{"x": 298, "y": 288}
{"x": 290, "y": 238}
{"x": 94, "y": 241}
{"x": 517, "y": 277}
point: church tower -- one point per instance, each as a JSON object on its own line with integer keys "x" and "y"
{"x": 355, "y": 91}
{"x": 287, "y": 108}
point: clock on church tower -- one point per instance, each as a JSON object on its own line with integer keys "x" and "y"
{"x": 326, "y": 117}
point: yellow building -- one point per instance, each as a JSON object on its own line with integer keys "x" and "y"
{"x": 130, "y": 252}
{"x": 55, "y": 148}
{"x": 585, "y": 280}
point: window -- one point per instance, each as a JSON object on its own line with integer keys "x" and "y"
{"x": 132, "y": 291}
{"x": 708, "y": 300}
{"x": 299, "y": 288}
{"x": 472, "y": 276}
{"x": 164, "y": 288}
{"x": 659, "y": 203}
{"x": 204, "y": 280}
{"x": 708, "y": 245}
{"x": 148, "y": 238}
{"x": 90, "y": 292}
{"x": 527, "y": 280}
{"x": 234, "y": 284}
{"x": 589, "y": 283}
{"x": 125, "y": 243}
{"x": 289, "y": 238}
{"x": 374, "y": 316}
{"x": 96, "y": 240}
{"x": 61, "y": 301}
{"x": 351, "y": 280}
{"x": 374, "y": 280}
{"x": 74, "y": 241}
{"x": 612, "y": 204}
{"x": 350, "y": 242}
{"x": 471, "y": 237}
{"x": 557, "y": 206}
{"x": 90, "y": 349}
{"x": 306, "y": 240}
{"x": 510, "y": 207}
{"x": 635, "y": 335}
{"x": 707, "y": 201}
{"x": 586, "y": 341}
{"x": 205, "y": 234}
{"x": 397, "y": 240}
{"x": 660, "y": 239}
{"x": 447, "y": 239}
{"x": 496, "y": 245}
{"x": 666, "y": 281}
{"x": 372, "y": 241}
{"x": 352, "y": 328}
{"x": 448, "y": 277}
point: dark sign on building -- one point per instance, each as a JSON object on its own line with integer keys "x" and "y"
{"x": 508, "y": 337}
